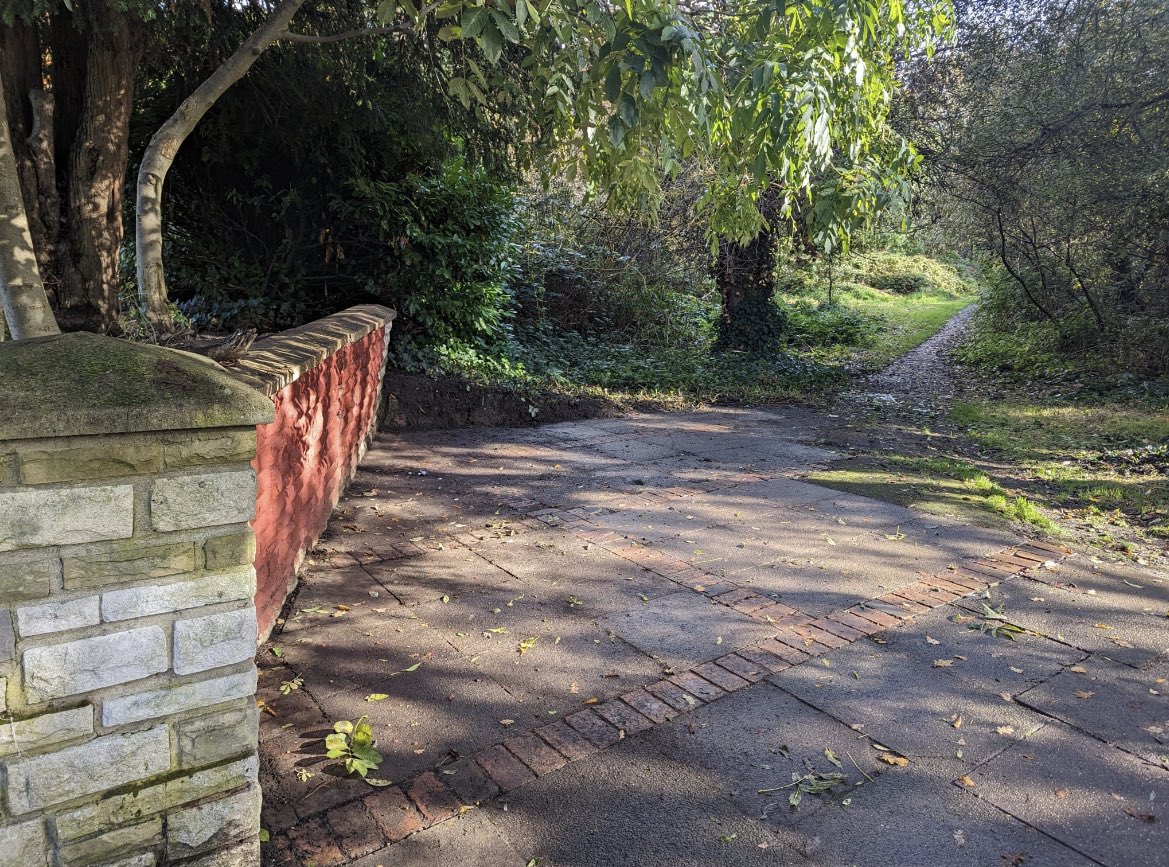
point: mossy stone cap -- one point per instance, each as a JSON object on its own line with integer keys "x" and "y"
{"x": 83, "y": 384}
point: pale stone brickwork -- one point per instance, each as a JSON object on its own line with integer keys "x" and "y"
{"x": 127, "y": 629}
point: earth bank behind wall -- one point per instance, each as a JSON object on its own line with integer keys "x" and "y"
{"x": 325, "y": 379}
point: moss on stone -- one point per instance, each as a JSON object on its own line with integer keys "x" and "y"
{"x": 78, "y": 384}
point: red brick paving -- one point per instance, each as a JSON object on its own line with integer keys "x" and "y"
{"x": 536, "y": 754}
{"x": 624, "y": 717}
{"x": 720, "y": 677}
{"x": 505, "y": 770}
{"x": 434, "y": 800}
{"x": 594, "y": 728}
{"x": 566, "y": 740}
{"x": 394, "y": 813}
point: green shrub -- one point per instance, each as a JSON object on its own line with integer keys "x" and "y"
{"x": 447, "y": 253}
{"x": 829, "y": 324}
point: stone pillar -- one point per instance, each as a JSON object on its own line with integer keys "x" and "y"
{"x": 128, "y": 726}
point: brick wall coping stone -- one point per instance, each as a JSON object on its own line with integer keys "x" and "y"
{"x": 280, "y": 359}
{"x": 90, "y": 384}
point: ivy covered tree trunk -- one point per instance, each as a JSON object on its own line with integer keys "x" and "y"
{"x": 71, "y": 144}
{"x": 89, "y": 253}
{"x": 745, "y": 276}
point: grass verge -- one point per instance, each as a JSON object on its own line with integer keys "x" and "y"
{"x": 1104, "y": 464}
{"x": 936, "y": 486}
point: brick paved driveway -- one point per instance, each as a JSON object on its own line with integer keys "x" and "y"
{"x": 633, "y": 641}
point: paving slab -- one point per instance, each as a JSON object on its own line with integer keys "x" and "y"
{"x": 463, "y": 842}
{"x": 975, "y": 657}
{"x": 453, "y": 572}
{"x": 1107, "y": 624}
{"x": 912, "y": 817}
{"x": 556, "y": 565}
{"x": 905, "y": 703}
{"x": 755, "y": 739}
{"x": 444, "y": 705}
{"x": 685, "y": 628}
{"x": 631, "y": 806}
{"x": 1119, "y": 705}
{"x": 1088, "y": 795}
{"x": 573, "y": 658}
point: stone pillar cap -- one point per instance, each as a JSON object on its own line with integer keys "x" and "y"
{"x": 85, "y": 384}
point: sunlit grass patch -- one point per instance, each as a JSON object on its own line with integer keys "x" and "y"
{"x": 1108, "y": 461}
{"x": 932, "y": 485}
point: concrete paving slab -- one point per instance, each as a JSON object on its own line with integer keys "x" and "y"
{"x": 911, "y": 817}
{"x": 571, "y": 660}
{"x": 996, "y": 664}
{"x": 1099, "y": 623}
{"x": 910, "y": 706}
{"x": 555, "y": 565}
{"x": 685, "y": 628}
{"x": 1088, "y": 795}
{"x": 467, "y": 841}
{"x": 454, "y": 572}
{"x": 443, "y": 705}
{"x": 755, "y": 739}
{"x": 810, "y": 588}
{"x": 1089, "y": 696}
{"x": 630, "y": 806}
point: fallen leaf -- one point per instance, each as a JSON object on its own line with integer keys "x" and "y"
{"x": 895, "y": 761}
{"x": 943, "y": 663}
{"x": 1005, "y": 730}
{"x": 1084, "y": 693}
{"x": 1137, "y": 814}
{"x": 957, "y": 722}
{"x": 831, "y": 756}
{"x": 376, "y": 696}
{"x": 506, "y": 722}
{"x": 1062, "y": 793}
{"x": 591, "y": 700}
{"x": 929, "y": 640}
{"x": 966, "y": 781}
{"x": 527, "y": 644}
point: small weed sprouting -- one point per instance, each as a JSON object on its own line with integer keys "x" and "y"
{"x": 353, "y": 743}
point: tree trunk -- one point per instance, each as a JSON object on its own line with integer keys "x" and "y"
{"x": 165, "y": 144}
{"x": 29, "y": 117}
{"x": 745, "y": 276}
{"x": 26, "y": 306}
{"x": 90, "y": 251}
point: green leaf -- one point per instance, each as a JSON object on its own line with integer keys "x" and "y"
{"x": 627, "y": 108}
{"x": 337, "y": 742}
{"x": 376, "y": 696}
{"x": 473, "y": 21}
{"x": 378, "y": 781}
{"x": 264, "y": 835}
{"x": 413, "y": 667}
{"x": 647, "y": 84}
{"x": 491, "y": 41}
{"x": 506, "y": 26}
{"x": 613, "y": 83}
{"x": 343, "y": 726}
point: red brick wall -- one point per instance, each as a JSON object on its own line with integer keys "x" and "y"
{"x": 304, "y": 459}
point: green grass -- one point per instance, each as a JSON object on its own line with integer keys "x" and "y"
{"x": 1103, "y": 462}
{"x": 909, "y": 322}
{"x": 905, "y": 299}
{"x": 937, "y": 485}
